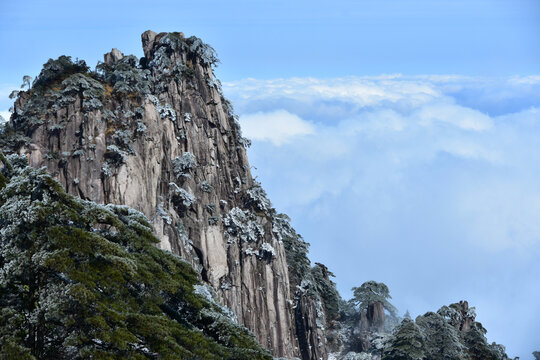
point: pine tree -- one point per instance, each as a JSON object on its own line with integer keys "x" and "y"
{"x": 407, "y": 315}
{"x": 27, "y": 82}
{"x": 442, "y": 339}
{"x": 80, "y": 280}
{"x": 407, "y": 343}
{"x": 371, "y": 292}
{"x": 478, "y": 347}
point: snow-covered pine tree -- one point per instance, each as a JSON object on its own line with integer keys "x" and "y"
{"x": 407, "y": 342}
{"x": 442, "y": 339}
{"x": 80, "y": 280}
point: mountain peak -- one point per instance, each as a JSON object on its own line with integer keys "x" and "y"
{"x": 157, "y": 134}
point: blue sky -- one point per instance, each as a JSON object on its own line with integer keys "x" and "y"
{"x": 402, "y": 137}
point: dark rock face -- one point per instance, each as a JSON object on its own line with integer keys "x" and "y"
{"x": 310, "y": 324}
{"x": 467, "y": 316}
{"x": 156, "y": 134}
{"x": 375, "y": 315}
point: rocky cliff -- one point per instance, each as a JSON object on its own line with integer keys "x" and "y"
{"x": 80, "y": 280}
{"x": 156, "y": 134}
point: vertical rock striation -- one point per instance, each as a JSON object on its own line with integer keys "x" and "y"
{"x": 156, "y": 134}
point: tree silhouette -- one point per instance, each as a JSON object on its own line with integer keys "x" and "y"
{"x": 27, "y": 82}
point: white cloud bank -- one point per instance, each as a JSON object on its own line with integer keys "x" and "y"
{"x": 374, "y": 137}
{"x": 278, "y": 126}
{"x": 462, "y": 117}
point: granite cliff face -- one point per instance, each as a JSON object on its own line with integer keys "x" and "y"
{"x": 156, "y": 134}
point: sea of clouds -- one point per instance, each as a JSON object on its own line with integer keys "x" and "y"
{"x": 428, "y": 183}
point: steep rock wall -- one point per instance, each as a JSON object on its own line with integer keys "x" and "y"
{"x": 158, "y": 135}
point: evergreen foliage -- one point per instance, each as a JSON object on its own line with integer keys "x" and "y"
{"x": 27, "y": 82}
{"x": 59, "y": 69}
{"x": 478, "y": 347}
{"x": 205, "y": 52}
{"x": 126, "y": 76}
{"x": 14, "y": 94}
{"x": 296, "y": 249}
{"x": 440, "y": 336}
{"x": 407, "y": 315}
{"x": 256, "y": 198}
{"x": 84, "y": 281}
{"x": 242, "y": 226}
{"x": 181, "y": 196}
{"x": 370, "y": 292}
{"x": 199, "y": 50}
{"x": 91, "y": 90}
{"x": 60, "y": 83}
{"x": 407, "y": 342}
{"x": 326, "y": 288}
{"x": 183, "y": 164}
{"x": 442, "y": 339}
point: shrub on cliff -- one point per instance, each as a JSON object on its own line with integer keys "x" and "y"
{"x": 326, "y": 288}
{"x": 126, "y": 76}
{"x": 59, "y": 69}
